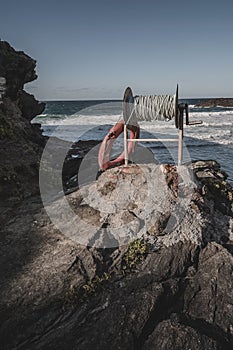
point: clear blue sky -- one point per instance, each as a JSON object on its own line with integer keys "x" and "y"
{"x": 94, "y": 49}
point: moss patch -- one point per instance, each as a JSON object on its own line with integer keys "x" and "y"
{"x": 90, "y": 288}
{"x": 135, "y": 254}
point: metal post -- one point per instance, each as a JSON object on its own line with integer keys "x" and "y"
{"x": 126, "y": 145}
{"x": 181, "y": 135}
{"x": 180, "y": 147}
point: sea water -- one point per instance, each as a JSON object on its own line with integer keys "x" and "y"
{"x": 91, "y": 120}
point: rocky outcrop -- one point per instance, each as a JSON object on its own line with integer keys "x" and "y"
{"x": 156, "y": 272}
{"x": 21, "y": 142}
{"x": 216, "y": 102}
{"x": 17, "y": 68}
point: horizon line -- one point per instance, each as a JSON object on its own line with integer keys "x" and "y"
{"x": 118, "y": 99}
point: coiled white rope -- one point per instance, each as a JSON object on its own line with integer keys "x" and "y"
{"x": 155, "y": 107}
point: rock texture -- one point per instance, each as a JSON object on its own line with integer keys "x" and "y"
{"x": 166, "y": 286}
{"x": 2, "y": 88}
{"x": 21, "y": 142}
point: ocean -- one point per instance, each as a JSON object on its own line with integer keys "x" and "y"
{"x": 90, "y": 120}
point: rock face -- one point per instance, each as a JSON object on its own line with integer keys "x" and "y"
{"x": 156, "y": 272}
{"x": 17, "y": 68}
{"x": 216, "y": 102}
{"x": 21, "y": 143}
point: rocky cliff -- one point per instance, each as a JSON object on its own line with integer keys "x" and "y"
{"x": 139, "y": 259}
{"x": 21, "y": 142}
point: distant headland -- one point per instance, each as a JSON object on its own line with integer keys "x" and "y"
{"x": 216, "y": 102}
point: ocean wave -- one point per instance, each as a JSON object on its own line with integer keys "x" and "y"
{"x": 216, "y": 127}
{"x": 42, "y": 115}
{"x": 61, "y": 119}
{"x": 212, "y": 113}
{"x": 79, "y": 119}
{"x": 217, "y": 139}
{"x": 46, "y": 118}
{"x": 198, "y": 141}
{"x": 216, "y": 124}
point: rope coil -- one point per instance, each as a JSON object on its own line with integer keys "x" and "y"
{"x": 155, "y": 107}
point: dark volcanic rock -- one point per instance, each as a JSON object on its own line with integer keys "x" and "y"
{"x": 208, "y": 297}
{"x": 29, "y": 106}
{"x": 17, "y": 68}
{"x": 21, "y": 142}
{"x": 170, "y": 334}
{"x": 171, "y": 289}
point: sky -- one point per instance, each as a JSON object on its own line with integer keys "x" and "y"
{"x": 95, "y": 49}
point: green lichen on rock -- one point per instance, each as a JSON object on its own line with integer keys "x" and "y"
{"x": 135, "y": 254}
{"x": 6, "y": 127}
{"x": 90, "y": 288}
{"x": 97, "y": 283}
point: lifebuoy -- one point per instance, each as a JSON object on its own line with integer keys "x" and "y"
{"x": 106, "y": 145}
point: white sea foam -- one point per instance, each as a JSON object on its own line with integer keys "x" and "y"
{"x": 93, "y": 122}
{"x": 80, "y": 119}
{"x": 220, "y": 118}
{"x": 213, "y": 114}
{"x": 43, "y": 115}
